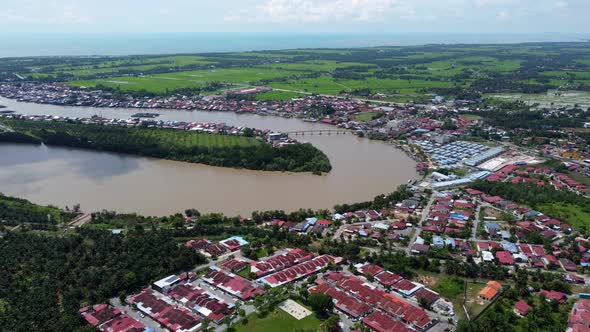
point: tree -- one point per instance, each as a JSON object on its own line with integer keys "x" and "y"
{"x": 320, "y": 303}
{"x": 331, "y": 324}
{"x": 423, "y": 302}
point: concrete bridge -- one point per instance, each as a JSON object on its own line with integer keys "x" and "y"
{"x": 318, "y": 132}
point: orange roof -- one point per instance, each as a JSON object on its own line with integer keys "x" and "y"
{"x": 488, "y": 293}
{"x": 494, "y": 284}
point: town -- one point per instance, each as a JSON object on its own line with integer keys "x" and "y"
{"x": 492, "y": 234}
{"x": 460, "y": 220}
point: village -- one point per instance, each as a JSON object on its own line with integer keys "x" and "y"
{"x": 450, "y": 222}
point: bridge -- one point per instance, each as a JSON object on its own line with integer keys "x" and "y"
{"x": 319, "y": 132}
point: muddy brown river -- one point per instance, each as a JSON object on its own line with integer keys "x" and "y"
{"x": 362, "y": 169}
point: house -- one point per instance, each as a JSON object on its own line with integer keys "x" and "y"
{"x": 106, "y": 318}
{"x": 418, "y": 248}
{"x": 504, "y": 257}
{"x": 579, "y": 320}
{"x": 553, "y": 295}
{"x": 234, "y": 243}
{"x": 521, "y": 308}
{"x": 567, "y": 265}
{"x": 491, "y": 290}
{"x": 572, "y": 278}
{"x": 509, "y": 246}
{"x": 492, "y": 228}
{"x": 369, "y": 269}
{"x": 487, "y": 256}
{"x": 438, "y": 242}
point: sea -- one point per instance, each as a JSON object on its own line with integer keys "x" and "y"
{"x": 116, "y": 44}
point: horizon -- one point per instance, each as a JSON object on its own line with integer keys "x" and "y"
{"x": 30, "y": 44}
{"x": 390, "y": 16}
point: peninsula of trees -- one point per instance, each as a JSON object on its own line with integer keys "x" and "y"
{"x": 181, "y": 145}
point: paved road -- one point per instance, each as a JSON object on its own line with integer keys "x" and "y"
{"x": 81, "y": 220}
{"x": 147, "y": 321}
{"x": 423, "y": 218}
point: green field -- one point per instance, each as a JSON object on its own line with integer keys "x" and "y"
{"x": 278, "y": 320}
{"x": 450, "y": 287}
{"x": 573, "y": 214}
{"x": 278, "y": 95}
{"x": 527, "y": 71}
{"x": 365, "y": 116}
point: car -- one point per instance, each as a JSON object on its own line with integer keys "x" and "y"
{"x": 141, "y": 315}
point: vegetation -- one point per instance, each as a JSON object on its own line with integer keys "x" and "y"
{"x": 544, "y": 317}
{"x": 278, "y": 320}
{"x": 181, "y": 145}
{"x": 450, "y": 287}
{"x": 569, "y": 207}
{"x": 45, "y": 280}
{"x": 14, "y": 211}
{"x": 411, "y": 73}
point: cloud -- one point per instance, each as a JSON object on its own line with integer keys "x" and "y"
{"x": 323, "y": 11}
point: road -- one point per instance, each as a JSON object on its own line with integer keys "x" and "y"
{"x": 323, "y": 95}
{"x": 475, "y": 223}
{"x": 145, "y": 320}
{"x": 81, "y": 220}
{"x": 425, "y": 213}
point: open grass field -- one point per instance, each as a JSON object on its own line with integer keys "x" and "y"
{"x": 278, "y": 320}
{"x": 450, "y": 287}
{"x": 552, "y": 97}
{"x": 574, "y": 214}
{"x": 365, "y": 116}
{"x": 160, "y": 83}
{"x": 528, "y": 71}
{"x": 279, "y": 95}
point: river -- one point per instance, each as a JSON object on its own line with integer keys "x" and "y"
{"x": 362, "y": 169}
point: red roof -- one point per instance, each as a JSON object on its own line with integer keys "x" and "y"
{"x": 554, "y": 295}
{"x": 387, "y": 278}
{"x": 123, "y": 323}
{"x": 504, "y": 257}
{"x": 473, "y": 192}
{"x": 343, "y": 301}
{"x": 233, "y": 284}
{"x": 371, "y": 269}
{"x": 492, "y": 199}
{"x": 383, "y": 323}
{"x": 522, "y": 307}
{"x": 281, "y": 261}
{"x": 298, "y": 271}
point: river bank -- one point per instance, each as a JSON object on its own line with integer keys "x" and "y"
{"x": 361, "y": 170}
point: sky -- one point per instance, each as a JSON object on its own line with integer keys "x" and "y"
{"x": 385, "y": 16}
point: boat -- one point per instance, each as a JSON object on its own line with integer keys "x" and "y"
{"x": 145, "y": 115}
{"x": 310, "y": 120}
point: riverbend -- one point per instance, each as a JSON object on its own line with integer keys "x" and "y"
{"x": 362, "y": 169}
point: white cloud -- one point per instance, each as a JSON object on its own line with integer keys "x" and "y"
{"x": 323, "y": 11}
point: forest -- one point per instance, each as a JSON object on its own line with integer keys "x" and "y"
{"x": 45, "y": 280}
{"x": 181, "y": 145}
{"x": 14, "y": 211}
